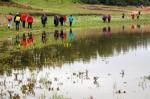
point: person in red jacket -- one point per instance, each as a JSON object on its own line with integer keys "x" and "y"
{"x": 65, "y": 19}
{"x": 23, "y": 19}
{"x": 30, "y": 21}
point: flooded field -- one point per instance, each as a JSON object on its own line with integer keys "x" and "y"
{"x": 105, "y": 63}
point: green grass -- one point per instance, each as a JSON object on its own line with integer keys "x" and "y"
{"x": 80, "y": 22}
{"x": 65, "y": 7}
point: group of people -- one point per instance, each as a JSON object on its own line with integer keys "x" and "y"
{"x": 63, "y": 35}
{"x": 18, "y": 19}
{"x": 133, "y": 15}
{"x": 62, "y": 20}
{"x": 106, "y": 18}
{"x": 26, "y": 40}
{"x": 23, "y": 18}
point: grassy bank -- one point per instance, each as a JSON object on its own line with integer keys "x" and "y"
{"x": 81, "y": 22}
{"x": 67, "y": 7}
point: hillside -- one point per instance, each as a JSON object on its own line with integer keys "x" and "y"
{"x": 65, "y": 7}
{"x": 60, "y": 7}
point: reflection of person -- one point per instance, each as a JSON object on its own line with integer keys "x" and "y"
{"x": 71, "y": 35}
{"x": 44, "y": 37}
{"x": 24, "y": 41}
{"x": 30, "y": 39}
{"x": 65, "y": 35}
{"x": 133, "y": 26}
{"x": 56, "y": 34}
{"x": 62, "y": 34}
{"x": 104, "y": 30}
{"x": 17, "y": 40}
{"x": 123, "y": 27}
{"x": 107, "y": 31}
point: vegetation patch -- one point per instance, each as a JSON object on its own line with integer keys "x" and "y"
{"x": 148, "y": 77}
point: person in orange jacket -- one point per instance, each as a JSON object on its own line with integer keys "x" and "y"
{"x": 23, "y": 19}
{"x": 30, "y": 21}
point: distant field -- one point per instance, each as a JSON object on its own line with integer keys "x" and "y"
{"x": 67, "y": 7}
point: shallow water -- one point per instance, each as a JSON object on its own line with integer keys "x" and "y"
{"x": 105, "y": 63}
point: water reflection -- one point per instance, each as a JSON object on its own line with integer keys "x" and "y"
{"x": 24, "y": 41}
{"x": 83, "y": 49}
{"x": 71, "y": 35}
{"x": 44, "y": 37}
{"x": 56, "y": 34}
{"x": 30, "y": 39}
{"x": 91, "y": 64}
{"x": 107, "y": 31}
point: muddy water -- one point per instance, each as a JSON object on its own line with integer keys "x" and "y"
{"x": 102, "y": 63}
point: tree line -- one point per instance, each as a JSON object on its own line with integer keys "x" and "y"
{"x": 5, "y": 0}
{"x": 110, "y": 2}
{"x": 118, "y": 2}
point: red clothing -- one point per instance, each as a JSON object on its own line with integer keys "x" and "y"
{"x": 65, "y": 35}
{"x": 30, "y": 41}
{"x": 30, "y": 19}
{"x": 65, "y": 18}
{"x": 133, "y": 16}
{"x": 133, "y": 26}
{"x": 24, "y": 43}
{"x": 23, "y": 16}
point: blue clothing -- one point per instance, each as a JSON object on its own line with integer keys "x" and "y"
{"x": 71, "y": 18}
{"x": 71, "y": 36}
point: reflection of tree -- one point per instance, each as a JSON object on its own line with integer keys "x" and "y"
{"x": 81, "y": 49}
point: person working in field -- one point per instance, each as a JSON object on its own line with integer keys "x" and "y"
{"x": 123, "y": 15}
{"x": 17, "y": 20}
{"x": 138, "y": 14}
{"x": 9, "y": 18}
{"x": 56, "y": 20}
{"x": 44, "y": 20}
{"x": 104, "y": 17}
{"x": 133, "y": 15}
{"x": 61, "y": 19}
{"x": 109, "y": 18}
{"x": 23, "y": 19}
{"x": 30, "y": 21}
{"x": 65, "y": 19}
{"x": 71, "y": 19}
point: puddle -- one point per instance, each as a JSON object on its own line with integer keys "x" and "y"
{"x": 105, "y": 63}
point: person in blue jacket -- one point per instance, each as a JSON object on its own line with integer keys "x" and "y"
{"x": 71, "y": 19}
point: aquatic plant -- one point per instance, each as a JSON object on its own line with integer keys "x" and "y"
{"x": 56, "y": 96}
{"x": 148, "y": 77}
{"x": 24, "y": 89}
